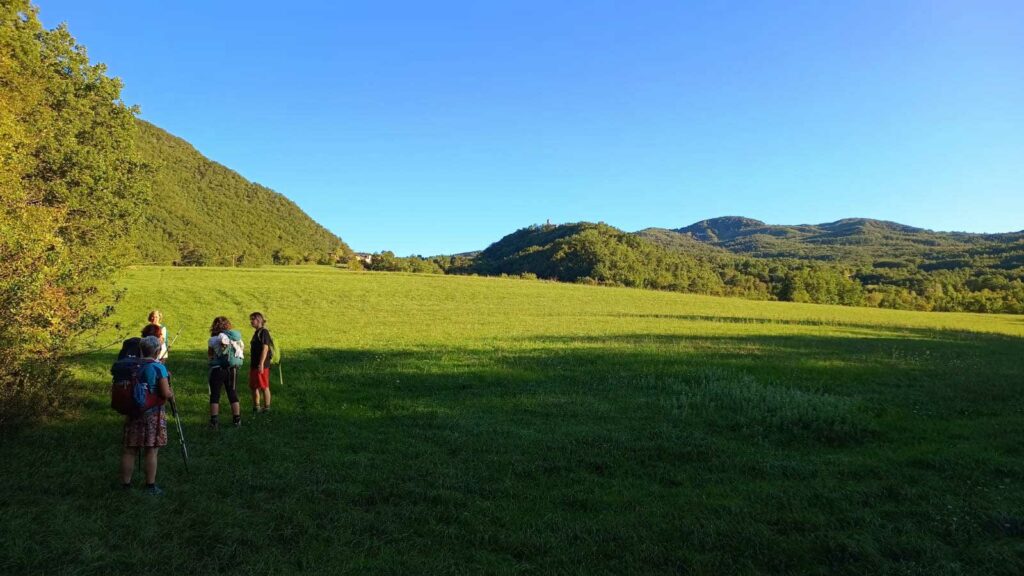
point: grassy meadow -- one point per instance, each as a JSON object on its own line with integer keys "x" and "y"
{"x": 443, "y": 425}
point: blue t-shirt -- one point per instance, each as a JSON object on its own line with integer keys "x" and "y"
{"x": 153, "y": 372}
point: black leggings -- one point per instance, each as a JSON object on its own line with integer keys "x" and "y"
{"x": 225, "y": 377}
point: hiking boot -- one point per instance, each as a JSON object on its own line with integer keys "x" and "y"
{"x": 153, "y": 490}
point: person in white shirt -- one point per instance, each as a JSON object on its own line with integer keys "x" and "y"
{"x": 156, "y": 317}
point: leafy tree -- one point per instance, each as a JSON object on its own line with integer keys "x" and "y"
{"x": 386, "y": 261}
{"x": 72, "y": 190}
{"x": 192, "y": 255}
{"x": 286, "y": 255}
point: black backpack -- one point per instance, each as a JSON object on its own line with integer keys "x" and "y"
{"x": 269, "y": 344}
{"x": 130, "y": 348}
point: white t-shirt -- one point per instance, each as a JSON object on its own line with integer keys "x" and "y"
{"x": 163, "y": 344}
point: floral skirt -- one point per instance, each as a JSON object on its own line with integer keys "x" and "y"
{"x": 146, "y": 431}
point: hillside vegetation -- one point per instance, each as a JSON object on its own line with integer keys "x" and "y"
{"x": 850, "y": 262}
{"x": 860, "y": 240}
{"x": 440, "y": 425}
{"x": 203, "y": 213}
{"x": 906, "y": 267}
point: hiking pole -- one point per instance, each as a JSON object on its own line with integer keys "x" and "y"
{"x": 280, "y": 371}
{"x": 181, "y": 432}
{"x": 175, "y": 339}
{"x": 171, "y": 344}
{"x": 94, "y": 350}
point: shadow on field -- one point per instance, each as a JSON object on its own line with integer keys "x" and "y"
{"x": 907, "y": 331}
{"x": 632, "y": 453}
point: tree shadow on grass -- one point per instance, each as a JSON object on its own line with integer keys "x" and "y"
{"x": 907, "y": 331}
{"x": 934, "y": 359}
{"x": 633, "y": 453}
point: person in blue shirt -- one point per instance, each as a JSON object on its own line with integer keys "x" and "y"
{"x": 147, "y": 431}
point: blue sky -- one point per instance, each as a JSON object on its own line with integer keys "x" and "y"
{"x": 438, "y": 127}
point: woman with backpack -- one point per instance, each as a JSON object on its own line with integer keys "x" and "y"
{"x": 226, "y": 352}
{"x": 147, "y": 431}
{"x": 262, "y": 349}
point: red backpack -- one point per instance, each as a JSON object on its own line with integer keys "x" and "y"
{"x": 129, "y": 391}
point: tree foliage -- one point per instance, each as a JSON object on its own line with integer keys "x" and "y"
{"x": 878, "y": 263}
{"x": 897, "y": 266}
{"x": 598, "y": 253}
{"x": 72, "y": 188}
{"x": 386, "y": 261}
{"x": 203, "y": 213}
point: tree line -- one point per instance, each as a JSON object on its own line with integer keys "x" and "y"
{"x": 989, "y": 279}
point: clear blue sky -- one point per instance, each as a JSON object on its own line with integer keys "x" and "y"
{"x": 438, "y": 127}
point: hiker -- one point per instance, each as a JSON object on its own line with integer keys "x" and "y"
{"x": 156, "y": 317}
{"x": 262, "y": 350}
{"x": 226, "y": 353}
{"x": 130, "y": 349}
{"x": 157, "y": 331}
{"x": 147, "y": 431}
{"x": 153, "y": 330}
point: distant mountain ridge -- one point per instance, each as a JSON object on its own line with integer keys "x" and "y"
{"x": 203, "y": 213}
{"x": 859, "y": 240}
{"x": 729, "y": 227}
{"x": 853, "y": 261}
{"x": 722, "y": 228}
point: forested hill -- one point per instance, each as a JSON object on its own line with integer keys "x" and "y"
{"x": 203, "y": 213}
{"x": 855, "y": 262}
{"x": 852, "y": 240}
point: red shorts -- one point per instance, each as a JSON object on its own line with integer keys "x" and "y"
{"x": 259, "y": 380}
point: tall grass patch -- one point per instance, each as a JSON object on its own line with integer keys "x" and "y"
{"x": 730, "y": 400}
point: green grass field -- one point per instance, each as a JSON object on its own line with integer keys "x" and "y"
{"x": 442, "y": 425}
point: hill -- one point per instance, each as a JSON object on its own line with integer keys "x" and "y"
{"x": 851, "y": 240}
{"x": 722, "y": 228}
{"x": 679, "y": 242}
{"x": 205, "y": 213}
{"x": 591, "y": 430}
{"x": 597, "y": 253}
{"x": 854, "y": 261}
{"x": 910, "y": 267}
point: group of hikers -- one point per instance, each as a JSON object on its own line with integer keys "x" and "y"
{"x": 142, "y": 386}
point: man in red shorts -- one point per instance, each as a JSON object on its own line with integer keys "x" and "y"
{"x": 261, "y": 351}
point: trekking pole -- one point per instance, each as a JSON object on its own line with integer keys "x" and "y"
{"x": 95, "y": 350}
{"x": 175, "y": 339}
{"x": 280, "y": 371}
{"x": 181, "y": 432}
{"x": 170, "y": 345}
